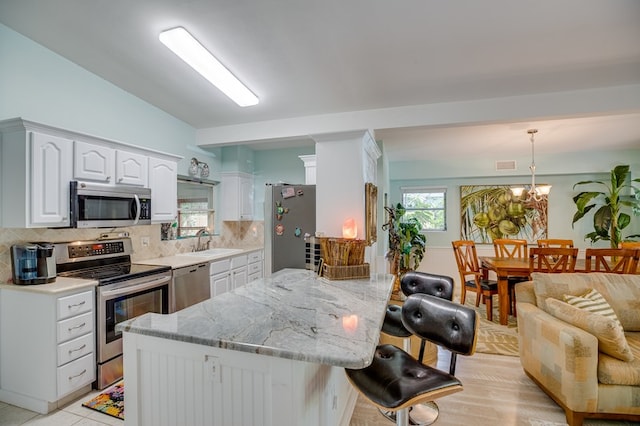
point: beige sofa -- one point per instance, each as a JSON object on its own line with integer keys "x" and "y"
{"x": 583, "y": 360}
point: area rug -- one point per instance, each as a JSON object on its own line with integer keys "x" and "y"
{"x": 110, "y": 402}
{"x": 494, "y": 338}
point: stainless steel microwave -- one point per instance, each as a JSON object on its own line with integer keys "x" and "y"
{"x": 100, "y": 206}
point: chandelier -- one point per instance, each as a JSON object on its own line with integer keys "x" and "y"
{"x": 534, "y": 193}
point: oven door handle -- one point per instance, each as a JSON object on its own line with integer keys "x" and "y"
{"x": 136, "y": 288}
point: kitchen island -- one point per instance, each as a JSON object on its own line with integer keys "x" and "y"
{"x": 269, "y": 353}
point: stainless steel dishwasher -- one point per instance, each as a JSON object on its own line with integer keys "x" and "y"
{"x": 190, "y": 285}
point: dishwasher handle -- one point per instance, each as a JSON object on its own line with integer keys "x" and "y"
{"x": 189, "y": 269}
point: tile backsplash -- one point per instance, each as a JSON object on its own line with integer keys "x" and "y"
{"x": 232, "y": 234}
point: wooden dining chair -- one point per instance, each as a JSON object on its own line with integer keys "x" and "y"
{"x": 552, "y": 259}
{"x": 512, "y": 249}
{"x": 555, "y": 242}
{"x": 629, "y": 244}
{"x": 618, "y": 261}
{"x": 471, "y": 275}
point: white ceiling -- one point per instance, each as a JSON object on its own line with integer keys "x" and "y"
{"x": 303, "y": 58}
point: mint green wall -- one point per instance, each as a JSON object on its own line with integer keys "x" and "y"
{"x": 275, "y": 166}
{"x": 237, "y": 158}
{"x": 560, "y": 212}
{"x": 39, "y": 85}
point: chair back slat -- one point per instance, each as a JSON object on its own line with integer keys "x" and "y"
{"x": 618, "y": 261}
{"x": 466, "y": 257}
{"x": 514, "y": 249}
{"x": 555, "y": 242}
{"x": 552, "y": 260}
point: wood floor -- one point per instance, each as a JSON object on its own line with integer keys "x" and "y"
{"x": 496, "y": 392}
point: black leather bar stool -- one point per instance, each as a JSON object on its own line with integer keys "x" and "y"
{"x": 413, "y": 282}
{"x": 395, "y": 380}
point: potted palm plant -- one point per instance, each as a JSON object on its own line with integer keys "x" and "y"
{"x": 406, "y": 243}
{"x": 610, "y": 218}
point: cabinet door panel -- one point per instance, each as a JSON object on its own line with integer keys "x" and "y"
{"x": 163, "y": 181}
{"x": 219, "y": 284}
{"x": 51, "y": 174}
{"x": 93, "y": 162}
{"x": 131, "y": 168}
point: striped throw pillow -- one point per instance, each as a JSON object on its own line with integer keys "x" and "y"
{"x": 592, "y": 301}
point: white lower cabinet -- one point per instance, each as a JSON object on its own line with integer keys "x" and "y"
{"x": 254, "y": 265}
{"x": 47, "y": 346}
{"x": 238, "y": 272}
{"x": 234, "y": 271}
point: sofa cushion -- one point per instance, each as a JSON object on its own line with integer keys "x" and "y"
{"x": 622, "y": 291}
{"x": 592, "y": 301}
{"x": 612, "y": 371}
{"x": 610, "y": 335}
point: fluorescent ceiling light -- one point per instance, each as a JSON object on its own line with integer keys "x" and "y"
{"x": 193, "y": 53}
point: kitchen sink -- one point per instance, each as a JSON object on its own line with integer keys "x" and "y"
{"x": 212, "y": 252}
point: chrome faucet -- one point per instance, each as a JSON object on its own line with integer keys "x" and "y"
{"x": 199, "y": 246}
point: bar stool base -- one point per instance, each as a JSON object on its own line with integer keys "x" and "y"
{"x": 419, "y": 415}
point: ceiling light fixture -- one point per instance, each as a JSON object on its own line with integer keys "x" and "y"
{"x": 193, "y": 53}
{"x": 534, "y": 193}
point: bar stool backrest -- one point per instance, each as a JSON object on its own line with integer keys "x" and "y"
{"x": 447, "y": 324}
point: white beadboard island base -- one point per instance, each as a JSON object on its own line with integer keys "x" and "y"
{"x": 270, "y": 353}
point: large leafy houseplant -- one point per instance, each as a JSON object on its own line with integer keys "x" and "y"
{"x": 610, "y": 218}
{"x": 406, "y": 243}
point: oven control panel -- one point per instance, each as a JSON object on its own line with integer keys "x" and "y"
{"x": 96, "y": 249}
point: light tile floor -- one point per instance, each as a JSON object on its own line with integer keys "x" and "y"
{"x": 71, "y": 414}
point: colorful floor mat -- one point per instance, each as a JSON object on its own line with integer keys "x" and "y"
{"x": 110, "y": 402}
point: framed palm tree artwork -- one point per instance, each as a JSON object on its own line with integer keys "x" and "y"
{"x": 488, "y": 212}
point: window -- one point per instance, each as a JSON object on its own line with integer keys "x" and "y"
{"x": 195, "y": 208}
{"x": 428, "y": 205}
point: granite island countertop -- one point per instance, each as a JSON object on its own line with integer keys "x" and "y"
{"x": 293, "y": 314}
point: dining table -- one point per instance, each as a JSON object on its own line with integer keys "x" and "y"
{"x": 505, "y": 267}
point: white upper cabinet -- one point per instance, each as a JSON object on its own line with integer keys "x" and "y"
{"x": 93, "y": 162}
{"x": 131, "y": 168}
{"x": 103, "y": 164}
{"x": 163, "y": 181}
{"x": 50, "y": 176}
{"x": 237, "y": 196}
{"x": 37, "y": 162}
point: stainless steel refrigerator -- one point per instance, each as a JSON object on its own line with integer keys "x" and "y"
{"x": 289, "y": 216}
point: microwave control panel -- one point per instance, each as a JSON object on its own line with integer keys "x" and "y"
{"x": 96, "y": 249}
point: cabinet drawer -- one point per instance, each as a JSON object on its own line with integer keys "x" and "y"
{"x": 76, "y": 374}
{"x": 238, "y": 261}
{"x": 75, "y": 327}
{"x": 254, "y": 276}
{"x": 75, "y": 304}
{"x": 75, "y": 348}
{"x": 255, "y": 256}
{"x": 219, "y": 266}
{"x": 253, "y": 268}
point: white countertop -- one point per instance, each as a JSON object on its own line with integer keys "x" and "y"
{"x": 293, "y": 314}
{"x": 60, "y": 285}
{"x": 189, "y": 259}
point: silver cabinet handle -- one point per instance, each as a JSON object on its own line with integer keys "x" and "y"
{"x": 75, "y": 305}
{"x": 77, "y": 326}
{"x": 78, "y": 375}
{"x": 120, "y": 179}
{"x": 108, "y": 178}
{"x": 78, "y": 349}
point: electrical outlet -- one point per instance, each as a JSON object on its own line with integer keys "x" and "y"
{"x": 212, "y": 368}
{"x": 144, "y": 241}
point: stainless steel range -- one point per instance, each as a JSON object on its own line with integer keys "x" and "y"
{"x": 125, "y": 290}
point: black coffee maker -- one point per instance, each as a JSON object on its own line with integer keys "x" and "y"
{"x": 33, "y": 263}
